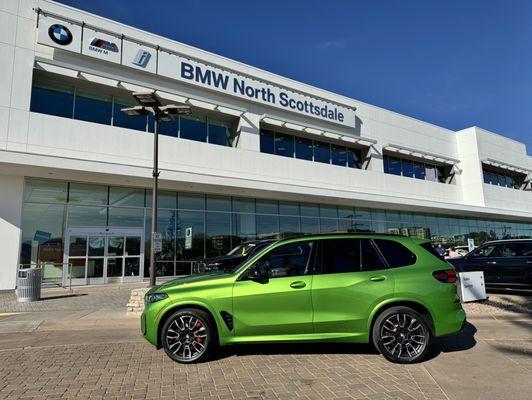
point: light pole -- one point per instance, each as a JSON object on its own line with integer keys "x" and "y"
{"x": 149, "y": 103}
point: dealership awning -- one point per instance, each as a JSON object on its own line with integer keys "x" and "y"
{"x": 318, "y": 132}
{"x": 438, "y": 158}
{"x": 508, "y": 167}
{"x": 102, "y": 80}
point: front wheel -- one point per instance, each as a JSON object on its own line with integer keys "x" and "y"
{"x": 188, "y": 336}
{"x": 401, "y": 335}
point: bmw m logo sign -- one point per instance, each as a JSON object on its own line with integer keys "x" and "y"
{"x": 60, "y": 34}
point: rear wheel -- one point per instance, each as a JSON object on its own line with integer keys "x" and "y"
{"x": 401, "y": 335}
{"x": 188, "y": 336}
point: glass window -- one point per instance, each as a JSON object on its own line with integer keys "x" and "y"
{"x": 340, "y": 255}
{"x": 53, "y": 99}
{"x": 45, "y": 191}
{"x": 288, "y": 226}
{"x": 353, "y": 158}
{"x": 87, "y": 216}
{"x": 193, "y": 128}
{"x": 328, "y": 224}
{"x": 304, "y": 148}
{"x": 371, "y": 260}
{"x": 328, "y": 211}
{"x": 267, "y": 207}
{"x": 242, "y": 204}
{"x": 310, "y": 225}
{"x": 487, "y": 177}
{"x": 194, "y": 220}
{"x": 346, "y": 212}
{"x": 291, "y": 259}
{"x": 309, "y": 210}
{"x": 137, "y": 122}
{"x": 394, "y": 166}
{"x": 166, "y": 128}
{"x": 430, "y": 173}
{"x": 419, "y": 170}
{"x": 267, "y": 142}
{"x": 442, "y": 176}
{"x": 219, "y": 133}
{"x": 84, "y": 193}
{"x": 491, "y": 250}
{"x": 523, "y": 249}
{"x": 244, "y": 228}
{"x": 338, "y": 155}
{"x": 284, "y": 145}
{"x": 408, "y": 168}
{"x": 42, "y": 233}
{"x": 395, "y": 253}
{"x": 126, "y": 216}
{"x": 362, "y": 213}
{"x": 322, "y": 152}
{"x": 165, "y": 199}
{"x": 218, "y": 234}
{"x": 191, "y": 201}
{"x": 93, "y": 107}
{"x": 218, "y": 203}
{"x": 124, "y": 196}
{"x": 267, "y": 226}
{"x": 288, "y": 208}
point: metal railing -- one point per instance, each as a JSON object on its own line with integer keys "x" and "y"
{"x": 52, "y": 273}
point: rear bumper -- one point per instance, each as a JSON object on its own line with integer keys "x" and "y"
{"x": 453, "y": 322}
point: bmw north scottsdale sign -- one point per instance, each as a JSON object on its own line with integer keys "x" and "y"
{"x": 113, "y": 47}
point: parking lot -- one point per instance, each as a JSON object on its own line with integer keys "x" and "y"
{"x": 82, "y": 345}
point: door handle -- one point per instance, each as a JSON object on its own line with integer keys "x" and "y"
{"x": 491, "y": 262}
{"x": 298, "y": 285}
{"x": 377, "y": 278}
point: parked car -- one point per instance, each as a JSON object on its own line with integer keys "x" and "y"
{"x": 388, "y": 290}
{"x": 231, "y": 259}
{"x": 504, "y": 262}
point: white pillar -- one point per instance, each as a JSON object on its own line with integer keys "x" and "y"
{"x": 11, "y": 198}
{"x": 248, "y": 132}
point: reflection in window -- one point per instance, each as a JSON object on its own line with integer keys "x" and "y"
{"x": 322, "y": 152}
{"x": 53, "y": 98}
{"x": 267, "y": 144}
{"x": 338, "y": 155}
{"x": 218, "y": 234}
{"x": 93, "y": 107}
{"x": 284, "y": 145}
{"x": 193, "y": 128}
{"x": 304, "y": 149}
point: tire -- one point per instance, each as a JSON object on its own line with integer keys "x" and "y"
{"x": 189, "y": 336}
{"x": 401, "y": 335}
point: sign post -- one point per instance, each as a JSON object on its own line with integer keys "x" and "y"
{"x": 157, "y": 242}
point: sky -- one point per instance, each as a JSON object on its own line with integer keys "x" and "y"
{"x": 451, "y": 63}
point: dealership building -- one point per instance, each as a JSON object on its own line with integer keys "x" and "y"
{"x": 260, "y": 156}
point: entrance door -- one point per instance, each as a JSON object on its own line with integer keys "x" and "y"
{"x": 103, "y": 255}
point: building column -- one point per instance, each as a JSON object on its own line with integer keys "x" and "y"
{"x": 374, "y": 161}
{"x": 11, "y": 199}
{"x": 248, "y": 132}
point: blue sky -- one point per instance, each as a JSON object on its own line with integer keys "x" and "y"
{"x": 451, "y": 63}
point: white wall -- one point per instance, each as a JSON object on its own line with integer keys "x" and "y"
{"x": 11, "y": 196}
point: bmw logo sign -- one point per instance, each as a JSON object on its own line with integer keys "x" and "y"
{"x": 60, "y": 34}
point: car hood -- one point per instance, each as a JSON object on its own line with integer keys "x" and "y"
{"x": 188, "y": 280}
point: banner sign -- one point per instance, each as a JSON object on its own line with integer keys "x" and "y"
{"x": 193, "y": 72}
{"x": 139, "y": 56}
{"x": 116, "y": 49}
{"x": 58, "y": 33}
{"x": 101, "y": 45}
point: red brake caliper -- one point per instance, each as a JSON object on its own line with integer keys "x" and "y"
{"x": 198, "y": 326}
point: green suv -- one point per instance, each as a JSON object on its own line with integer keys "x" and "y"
{"x": 392, "y": 291}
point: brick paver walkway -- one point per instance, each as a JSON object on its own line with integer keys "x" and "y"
{"x": 136, "y": 370}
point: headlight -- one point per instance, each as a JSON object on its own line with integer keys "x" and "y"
{"x": 154, "y": 297}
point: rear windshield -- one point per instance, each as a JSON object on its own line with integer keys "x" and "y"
{"x": 430, "y": 248}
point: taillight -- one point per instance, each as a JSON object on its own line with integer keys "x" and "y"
{"x": 445, "y": 275}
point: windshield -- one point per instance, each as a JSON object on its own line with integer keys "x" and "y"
{"x": 256, "y": 248}
{"x": 241, "y": 249}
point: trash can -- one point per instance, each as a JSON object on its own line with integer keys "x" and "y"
{"x": 29, "y": 285}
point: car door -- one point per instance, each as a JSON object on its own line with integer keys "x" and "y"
{"x": 277, "y": 303}
{"x": 486, "y": 258}
{"x": 350, "y": 276}
{"x": 516, "y": 262}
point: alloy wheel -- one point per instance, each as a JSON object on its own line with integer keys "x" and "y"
{"x": 186, "y": 338}
{"x": 403, "y": 336}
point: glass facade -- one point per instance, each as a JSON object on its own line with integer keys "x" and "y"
{"x": 219, "y": 223}
{"x": 282, "y": 144}
{"x": 98, "y": 106}
{"x": 414, "y": 169}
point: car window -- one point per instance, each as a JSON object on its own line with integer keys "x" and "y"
{"x": 287, "y": 260}
{"x": 510, "y": 250}
{"x": 371, "y": 260}
{"x": 523, "y": 249}
{"x": 340, "y": 255}
{"x": 395, "y": 253}
{"x": 430, "y": 248}
{"x": 490, "y": 250}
